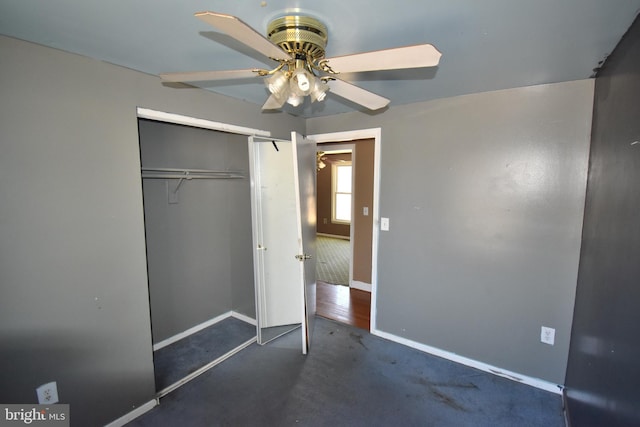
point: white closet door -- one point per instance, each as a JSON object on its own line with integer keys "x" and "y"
{"x": 304, "y": 165}
{"x": 279, "y": 294}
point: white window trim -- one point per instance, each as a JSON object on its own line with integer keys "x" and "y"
{"x": 334, "y": 184}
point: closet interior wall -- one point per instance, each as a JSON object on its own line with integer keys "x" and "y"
{"x": 199, "y": 244}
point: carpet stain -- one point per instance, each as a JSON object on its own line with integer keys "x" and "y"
{"x": 447, "y": 400}
{"x": 358, "y": 338}
{"x": 443, "y": 397}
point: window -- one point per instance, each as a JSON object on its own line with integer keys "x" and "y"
{"x": 341, "y": 192}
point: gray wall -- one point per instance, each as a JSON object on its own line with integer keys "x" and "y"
{"x": 602, "y": 373}
{"x": 74, "y": 305}
{"x": 192, "y": 245}
{"x": 485, "y": 195}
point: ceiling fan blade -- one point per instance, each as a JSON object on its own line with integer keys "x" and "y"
{"x": 242, "y": 32}
{"x": 199, "y": 76}
{"x": 358, "y": 95}
{"x": 273, "y": 103}
{"x": 418, "y": 56}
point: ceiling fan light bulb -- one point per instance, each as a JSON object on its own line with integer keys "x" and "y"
{"x": 319, "y": 91}
{"x": 318, "y": 95}
{"x": 294, "y": 88}
{"x": 303, "y": 82}
{"x": 282, "y": 96}
{"x": 277, "y": 83}
{"x": 295, "y": 100}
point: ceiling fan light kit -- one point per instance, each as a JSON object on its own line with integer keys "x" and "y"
{"x": 304, "y": 39}
{"x": 298, "y": 43}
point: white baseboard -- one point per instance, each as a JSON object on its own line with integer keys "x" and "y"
{"x": 127, "y": 418}
{"x": 205, "y": 368}
{"x": 190, "y": 331}
{"x": 360, "y": 285}
{"x": 193, "y": 330}
{"x": 202, "y": 326}
{"x": 244, "y": 318}
{"x": 153, "y": 403}
{"x": 534, "y": 382}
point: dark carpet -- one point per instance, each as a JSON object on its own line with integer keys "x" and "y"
{"x": 350, "y": 378}
{"x": 176, "y": 361}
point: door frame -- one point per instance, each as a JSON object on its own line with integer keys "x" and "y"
{"x": 162, "y": 116}
{"x": 376, "y": 135}
{"x": 174, "y": 118}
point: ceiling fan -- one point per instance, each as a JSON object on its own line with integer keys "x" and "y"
{"x": 322, "y": 159}
{"x": 298, "y": 44}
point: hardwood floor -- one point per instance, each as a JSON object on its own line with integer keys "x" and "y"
{"x": 343, "y": 304}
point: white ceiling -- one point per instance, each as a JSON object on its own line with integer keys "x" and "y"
{"x": 486, "y": 45}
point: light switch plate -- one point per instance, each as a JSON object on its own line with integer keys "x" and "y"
{"x": 384, "y": 224}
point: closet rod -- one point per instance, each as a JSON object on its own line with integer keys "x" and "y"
{"x": 189, "y": 176}
{"x": 174, "y": 173}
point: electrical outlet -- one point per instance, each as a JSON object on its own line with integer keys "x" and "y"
{"x": 547, "y": 335}
{"x": 47, "y": 393}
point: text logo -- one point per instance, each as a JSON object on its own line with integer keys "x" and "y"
{"x": 34, "y": 415}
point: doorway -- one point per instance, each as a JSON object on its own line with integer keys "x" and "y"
{"x": 354, "y": 304}
{"x": 334, "y": 195}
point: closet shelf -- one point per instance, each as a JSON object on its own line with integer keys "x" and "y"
{"x": 174, "y": 173}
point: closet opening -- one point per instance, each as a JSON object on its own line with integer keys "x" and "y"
{"x": 197, "y": 208}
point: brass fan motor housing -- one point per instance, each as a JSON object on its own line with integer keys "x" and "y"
{"x": 299, "y": 35}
